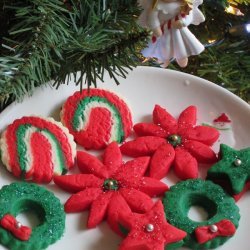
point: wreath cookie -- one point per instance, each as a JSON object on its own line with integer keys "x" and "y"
{"x": 20, "y": 197}
{"x": 223, "y": 214}
{"x": 96, "y": 117}
{"x": 36, "y": 149}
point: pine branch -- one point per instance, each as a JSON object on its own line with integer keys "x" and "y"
{"x": 45, "y": 41}
{"x": 27, "y": 54}
{"x": 105, "y": 39}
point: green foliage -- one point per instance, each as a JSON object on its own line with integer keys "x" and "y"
{"x": 49, "y": 39}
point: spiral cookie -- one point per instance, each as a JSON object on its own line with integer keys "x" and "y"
{"x": 96, "y": 117}
{"x": 223, "y": 214}
{"x": 20, "y": 197}
{"x": 35, "y": 148}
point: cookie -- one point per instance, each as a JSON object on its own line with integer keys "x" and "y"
{"x": 150, "y": 231}
{"x": 102, "y": 181}
{"x": 223, "y": 213}
{"x": 232, "y": 171}
{"x": 20, "y": 196}
{"x": 96, "y": 117}
{"x": 35, "y": 148}
{"x": 180, "y": 143}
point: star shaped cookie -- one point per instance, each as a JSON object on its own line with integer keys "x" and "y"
{"x": 150, "y": 230}
{"x": 233, "y": 167}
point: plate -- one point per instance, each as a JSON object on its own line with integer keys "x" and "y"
{"x": 143, "y": 88}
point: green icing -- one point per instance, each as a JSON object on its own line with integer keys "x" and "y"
{"x": 19, "y": 197}
{"x": 22, "y": 149}
{"x": 175, "y": 245}
{"x": 227, "y": 169}
{"x": 61, "y": 168}
{"x": 82, "y": 105}
{"x": 182, "y": 196}
{"x": 21, "y": 146}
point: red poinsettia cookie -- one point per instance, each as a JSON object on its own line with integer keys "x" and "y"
{"x": 173, "y": 142}
{"x": 101, "y": 182}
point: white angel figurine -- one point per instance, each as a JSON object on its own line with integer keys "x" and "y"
{"x": 169, "y": 21}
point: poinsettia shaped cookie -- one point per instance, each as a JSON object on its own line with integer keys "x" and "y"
{"x": 96, "y": 117}
{"x": 102, "y": 181}
{"x": 150, "y": 230}
{"x": 173, "y": 142}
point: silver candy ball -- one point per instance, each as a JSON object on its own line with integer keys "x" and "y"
{"x": 213, "y": 228}
{"x": 18, "y": 225}
{"x": 111, "y": 183}
{"x": 175, "y": 137}
{"x": 149, "y": 227}
{"x": 237, "y": 162}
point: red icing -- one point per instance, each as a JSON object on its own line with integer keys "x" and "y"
{"x": 39, "y": 123}
{"x": 161, "y": 161}
{"x": 42, "y": 167}
{"x": 204, "y": 233}
{"x": 141, "y": 146}
{"x": 186, "y": 166}
{"x": 98, "y": 130}
{"x": 9, "y": 223}
{"x": 72, "y": 102}
{"x": 222, "y": 118}
{"x": 118, "y": 207}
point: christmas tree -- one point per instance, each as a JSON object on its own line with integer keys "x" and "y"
{"x": 51, "y": 39}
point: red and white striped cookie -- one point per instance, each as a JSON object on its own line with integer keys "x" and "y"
{"x": 96, "y": 117}
{"x": 36, "y": 149}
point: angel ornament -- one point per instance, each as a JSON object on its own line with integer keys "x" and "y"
{"x": 169, "y": 21}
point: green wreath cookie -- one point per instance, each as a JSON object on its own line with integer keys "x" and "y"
{"x": 20, "y": 197}
{"x": 223, "y": 214}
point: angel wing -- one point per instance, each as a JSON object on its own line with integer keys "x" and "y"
{"x": 196, "y": 3}
{"x": 198, "y": 17}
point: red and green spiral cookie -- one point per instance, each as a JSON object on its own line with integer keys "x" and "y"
{"x": 96, "y": 117}
{"x": 36, "y": 149}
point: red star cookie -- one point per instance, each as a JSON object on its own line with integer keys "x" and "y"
{"x": 170, "y": 141}
{"x": 149, "y": 231}
{"x": 105, "y": 180}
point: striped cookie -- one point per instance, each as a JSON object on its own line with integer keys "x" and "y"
{"x": 36, "y": 149}
{"x": 96, "y": 117}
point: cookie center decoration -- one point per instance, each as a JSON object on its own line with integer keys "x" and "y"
{"x": 149, "y": 228}
{"x": 110, "y": 184}
{"x": 213, "y": 228}
{"x": 237, "y": 162}
{"x": 174, "y": 140}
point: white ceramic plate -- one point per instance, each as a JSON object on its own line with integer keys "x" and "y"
{"x": 143, "y": 88}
